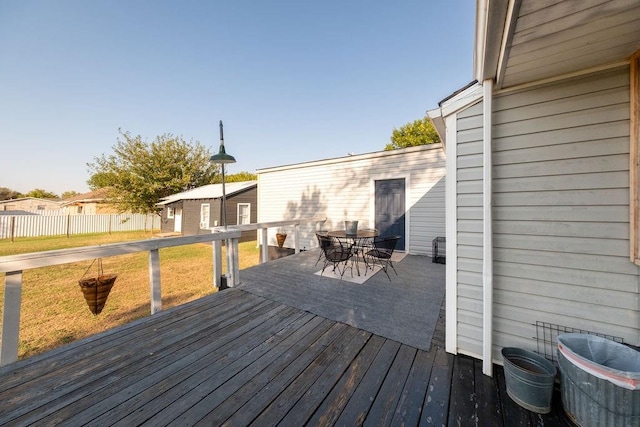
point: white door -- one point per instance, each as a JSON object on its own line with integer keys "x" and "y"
{"x": 205, "y": 216}
{"x": 177, "y": 220}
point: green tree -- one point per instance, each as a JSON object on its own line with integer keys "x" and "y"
{"x": 138, "y": 173}
{"x": 8, "y": 194}
{"x": 41, "y": 194}
{"x": 69, "y": 194}
{"x": 236, "y": 177}
{"x": 418, "y": 132}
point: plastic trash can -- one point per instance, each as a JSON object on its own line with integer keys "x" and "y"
{"x": 600, "y": 380}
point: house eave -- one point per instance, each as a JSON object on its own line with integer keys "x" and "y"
{"x": 490, "y": 36}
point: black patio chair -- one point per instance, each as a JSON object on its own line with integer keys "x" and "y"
{"x": 336, "y": 252}
{"x": 319, "y": 234}
{"x": 381, "y": 253}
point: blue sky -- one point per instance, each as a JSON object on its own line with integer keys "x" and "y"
{"x": 293, "y": 81}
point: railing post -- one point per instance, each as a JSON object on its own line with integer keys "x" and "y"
{"x": 216, "y": 247}
{"x": 296, "y": 238}
{"x": 11, "y": 317}
{"x": 233, "y": 268}
{"x": 265, "y": 245}
{"x": 154, "y": 280}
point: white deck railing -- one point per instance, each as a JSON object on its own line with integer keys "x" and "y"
{"x": 14, "y": 265}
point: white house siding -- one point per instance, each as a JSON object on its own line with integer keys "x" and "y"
{"x": 469, "y": 154}
{"x": 342, "y": 189}
{"x": 561, "y": 212}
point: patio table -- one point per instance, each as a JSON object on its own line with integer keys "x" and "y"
{"x": 360, "y": 240}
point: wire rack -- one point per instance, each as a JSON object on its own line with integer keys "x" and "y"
{"x": 547, "y": 334}
{"x": 439, "y": 250}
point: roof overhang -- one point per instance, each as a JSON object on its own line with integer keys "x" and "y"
{"x": 520, "y": 42}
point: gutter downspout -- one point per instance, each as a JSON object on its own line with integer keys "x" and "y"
{"x": 487, "y": 232}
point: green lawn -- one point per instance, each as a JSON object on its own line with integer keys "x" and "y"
{"x": 53, "y": 310}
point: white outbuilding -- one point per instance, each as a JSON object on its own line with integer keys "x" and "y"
{"x": 396, "y": 192}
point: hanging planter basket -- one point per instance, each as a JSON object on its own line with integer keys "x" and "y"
{"x": 96, "y": 289}
{"x": 280, "y": 238}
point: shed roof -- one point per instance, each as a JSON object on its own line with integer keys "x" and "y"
{"x": 211, "y": 191}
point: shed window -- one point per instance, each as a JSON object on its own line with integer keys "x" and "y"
{"x": 634, "y": 167}
{"x": 204, "y": 215}
{"x": 170, "y": 213}
{"x": 244, "y": 213}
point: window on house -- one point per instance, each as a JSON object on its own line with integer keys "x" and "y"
{"x": 634, "y": 159}
{"x": 244, "y": 213}
{"x": 170, "y": 213}
{"x": 79, "y": 209}
{"x": 204, "y": 215}
{"x": 40, "y": 207}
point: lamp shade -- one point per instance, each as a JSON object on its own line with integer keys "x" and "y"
{"x": 222, "y": 157}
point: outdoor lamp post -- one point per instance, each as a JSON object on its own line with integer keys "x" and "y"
{"x": 223, "y": 158}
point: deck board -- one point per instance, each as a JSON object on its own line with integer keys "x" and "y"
{"x": 409, "y": 407}
{"x": 242, "y": 388}
{"x": 172, "y": 364}
{"x": 305, "y": 407}
{"x": 436, "y": 405}
{"x": 386, "y": 401}
{"x": 182, "y": 386}
{"x": 333, "y": 405}
{"x": 361, "y": 400}
{"x": 240, "y": 358}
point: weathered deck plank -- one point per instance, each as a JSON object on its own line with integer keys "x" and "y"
{"x": 305, "y": 407}
{"x": 361, "y": 400}
{"x": 179, "y": 382}
{"x": 101, "y": 393}
{"x": 409, "y": 407}
{"x": 242, "y": 388}
{"x": 331, "y": 408}
{"x": 436, "y": 405}
{"x": 386, "y": 401}
{"x": 63, "y": 377}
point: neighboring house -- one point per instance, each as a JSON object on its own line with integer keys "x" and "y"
{"x": 542, "y": 176}
{"x": 29, "y": 204}
{"x": 91, "y": 203}
{"x": 195, "y": 211}
{"x": 397, "y": 192}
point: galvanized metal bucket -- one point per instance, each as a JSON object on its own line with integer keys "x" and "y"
{"x": 529, "y": 378}
{"x": 351, "y": 228}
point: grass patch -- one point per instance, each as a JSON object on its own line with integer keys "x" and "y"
{"x": 53, "y": 310}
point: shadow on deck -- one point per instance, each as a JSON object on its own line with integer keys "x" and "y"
{"x": 276, "y": 350}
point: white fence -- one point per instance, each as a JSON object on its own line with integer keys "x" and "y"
{"x": 12, "y": 226}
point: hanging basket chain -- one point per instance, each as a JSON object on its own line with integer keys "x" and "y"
{"x": 100, "y": 272}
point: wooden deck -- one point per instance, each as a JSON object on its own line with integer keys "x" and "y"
{"x": 239, "y": 358}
